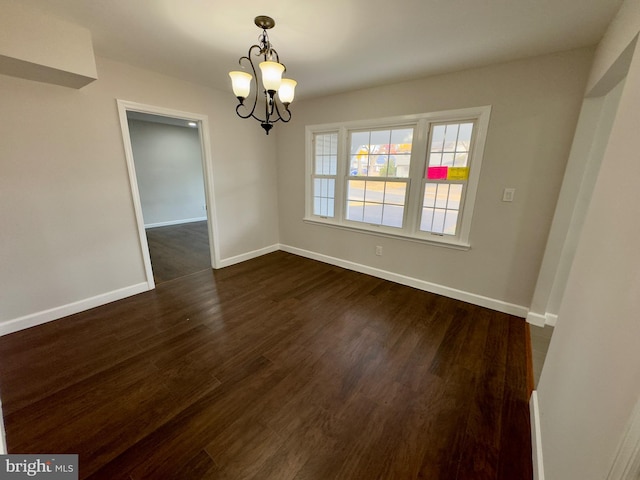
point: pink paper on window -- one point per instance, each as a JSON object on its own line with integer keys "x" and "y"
{"x": 437, "y": 173}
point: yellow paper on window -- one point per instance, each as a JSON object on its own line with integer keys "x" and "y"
{"x": 458, "y": 173}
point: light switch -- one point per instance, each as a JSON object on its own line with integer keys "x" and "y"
{"x": 508, "y": 194}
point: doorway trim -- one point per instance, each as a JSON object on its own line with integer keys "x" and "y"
{"x": 125, "y": 106}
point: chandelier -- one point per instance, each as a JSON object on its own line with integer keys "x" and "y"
{"x": 275, "y": 88}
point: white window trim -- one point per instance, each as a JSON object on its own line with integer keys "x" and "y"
{"x": 411, "y": 231}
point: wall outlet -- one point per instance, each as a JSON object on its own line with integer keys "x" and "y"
{"x": 379, "y": 250}
{"x": 508, "y": 194}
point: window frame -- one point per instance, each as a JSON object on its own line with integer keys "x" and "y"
{"x": 422, "y": 124}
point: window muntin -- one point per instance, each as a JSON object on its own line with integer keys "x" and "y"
{"x": 429, "y": 197}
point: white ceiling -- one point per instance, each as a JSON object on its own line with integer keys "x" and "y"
{"x": 332, "y": 46}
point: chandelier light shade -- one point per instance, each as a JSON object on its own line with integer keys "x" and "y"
{"x": 241, "y": 82}
{"x": 271, "y": 75}
{"x": 274, "y": 91}
{"x": 287, "y": 90}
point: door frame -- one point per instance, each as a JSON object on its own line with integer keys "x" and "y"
{"x": 125, "y": 106}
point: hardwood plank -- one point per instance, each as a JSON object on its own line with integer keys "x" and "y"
{"x": 277, "y": 368}
{"x": 479, "y": 458}
{"x": 178, "y": 250}
{"x": 515, "y": 443}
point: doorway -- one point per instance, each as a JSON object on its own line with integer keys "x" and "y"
{"x": 169, "y": 162}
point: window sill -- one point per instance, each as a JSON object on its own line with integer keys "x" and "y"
{"x": 437, "y": 240}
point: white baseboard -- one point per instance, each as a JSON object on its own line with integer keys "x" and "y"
{"x": 536, "y": 438}
{"x": 227, "y": 262}
{"x": 552, "y": 319}
{"x": 536, "y": 319}
{"x": 540, "y": 320}
{"x": 45, "y": 316}
{"x": 493, "y": 304}
{"x": 38, "y": 318}
{"x": 174, "y": 222}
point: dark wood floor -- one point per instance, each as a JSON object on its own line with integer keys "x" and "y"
{"x": 178, "y": 250}
{"x": 277, "y": 368}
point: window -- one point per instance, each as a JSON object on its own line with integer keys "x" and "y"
{"x": 324, "y": 174}
{"x": 412, "y": 176}
{"x": 446, "y": 175}
{"x": 378, "y": 176}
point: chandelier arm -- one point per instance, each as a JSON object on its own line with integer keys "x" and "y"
{"x": 255, "y": 94}
{"x": 284, "y": 119}
{"x": 275, "y": 53}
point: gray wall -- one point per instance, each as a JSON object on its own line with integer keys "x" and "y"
{"x": 535, "y": 106}
{"x": 590, "y": 382}
{"x": 168, "y": 161}
{"x": 69, "y": 230}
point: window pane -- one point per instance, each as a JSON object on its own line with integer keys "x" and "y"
{"x": 450, "y": 138}
{"x": 438, "y": 221}
{"x": 455, "y": 195}
{"x": 356, "y": 190}
{"x": 442, "y": 195}
{"x": 380, "y": 140}
{"x": 401, "y": 140}
{"x": 331, "y": 188}
{"x": 427, "y": 219}
{"x": 330, "y": 207}
{"x": 437, "y": 138}
{"x": 399, "y": 153}
{"x": 355, "y": 210}
{"x": 378, "y": 165}
{"x": 430, "y": 194}
{"x": 392, "y": 215}
{"x": 316, "y": 205}
{"x": 460, "y": 159}
{"x": 399, "y": 165}
{"x": 374, "y": 192}
{"x": 435, "y": 159}
{"x": 373, "y": 213}
{"x": 333, "y": 165}
{"x": 447, "y": 159}
{"x": 359, "y": 142}
{"x": 464, "y": 137}
{"x": 450, "y": 222}
{"x": 395, "y": 193}
{"x": 359, "y": 165}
